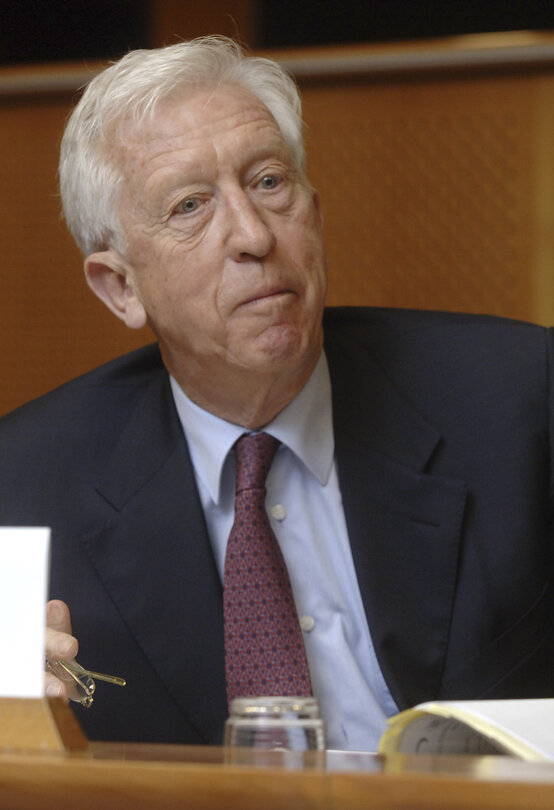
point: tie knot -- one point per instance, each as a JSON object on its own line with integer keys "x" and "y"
{"x": 254, "y": 453}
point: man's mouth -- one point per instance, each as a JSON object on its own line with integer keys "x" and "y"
{"x": 267, "y": 295}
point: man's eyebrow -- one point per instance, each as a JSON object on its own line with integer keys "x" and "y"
{"x": 171, "y": 177}
{"x": 276, "y": 149}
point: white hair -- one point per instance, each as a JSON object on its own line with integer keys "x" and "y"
{"x": 132, "y": 87}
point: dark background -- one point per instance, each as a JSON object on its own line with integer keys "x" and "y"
{"x": 57, "y": 30}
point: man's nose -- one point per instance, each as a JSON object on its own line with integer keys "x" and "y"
{"x": 249, "y": 235}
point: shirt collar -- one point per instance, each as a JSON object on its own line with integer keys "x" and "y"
{"x": 305, "y": 426}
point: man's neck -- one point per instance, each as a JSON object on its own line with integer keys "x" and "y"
{"x": 245, "y": 398}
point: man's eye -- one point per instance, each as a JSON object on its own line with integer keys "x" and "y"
{"x": 269, "y": 181}
{"x": 188, "y": 206}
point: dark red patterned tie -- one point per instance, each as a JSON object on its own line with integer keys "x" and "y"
{"x": 264, "y": 649}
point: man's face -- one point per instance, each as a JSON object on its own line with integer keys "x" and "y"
{"x": 224, "y": 246}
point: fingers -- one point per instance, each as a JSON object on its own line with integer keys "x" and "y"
{"x": 57, "y": 616}
{"x": 59, "y": 644}
{"x": 54, "y": 688}
{"x": 59, "y": 641}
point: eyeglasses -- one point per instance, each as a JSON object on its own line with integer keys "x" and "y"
{"x": 80, "y": 681}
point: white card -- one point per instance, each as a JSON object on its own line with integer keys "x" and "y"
{"x": 24, "y": 567}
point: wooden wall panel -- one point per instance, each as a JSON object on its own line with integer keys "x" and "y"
{"x": 174, "y": 20}
{"x": 52, "y": 327}
{"x": 436, "y": 184}
{"x": 427, "y": 191}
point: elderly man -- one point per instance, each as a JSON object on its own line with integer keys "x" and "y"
{"x": 410, "y": 485}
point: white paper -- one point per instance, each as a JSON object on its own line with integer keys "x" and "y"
{"x": 527, "y": 721}
{"x": 24, "y": 567}
{"x": 523, "y": 728}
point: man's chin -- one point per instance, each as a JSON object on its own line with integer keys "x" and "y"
{"x": 279, "y": 346}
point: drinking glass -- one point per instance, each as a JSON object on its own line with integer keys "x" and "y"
{"x": 275, "y": 723}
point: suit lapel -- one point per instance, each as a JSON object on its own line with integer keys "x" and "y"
{"x": 404, "y": 524}
{"x": 152, "y": 550}
{"x": 155, "y": 560}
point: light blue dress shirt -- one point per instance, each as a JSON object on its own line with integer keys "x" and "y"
{"x": 304, "y": 505}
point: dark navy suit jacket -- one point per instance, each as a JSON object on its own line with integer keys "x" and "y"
{"x": 443, "y": 430}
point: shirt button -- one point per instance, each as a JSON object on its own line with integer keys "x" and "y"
{"x": 307, "y": 623}
{"x": 278, "y": 511}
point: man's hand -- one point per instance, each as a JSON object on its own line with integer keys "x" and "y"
{"x": 59, "y": 644}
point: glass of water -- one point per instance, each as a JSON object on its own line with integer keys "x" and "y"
{"x": 275, "y": 723}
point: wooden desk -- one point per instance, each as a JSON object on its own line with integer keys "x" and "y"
{"x": 144, "y": 777}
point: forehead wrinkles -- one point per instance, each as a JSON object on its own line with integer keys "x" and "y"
{"x": 192, "y": 121}
{"x": 186, "y": 134}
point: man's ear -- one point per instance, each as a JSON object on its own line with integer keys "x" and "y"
{"x": 110, "y": 278}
